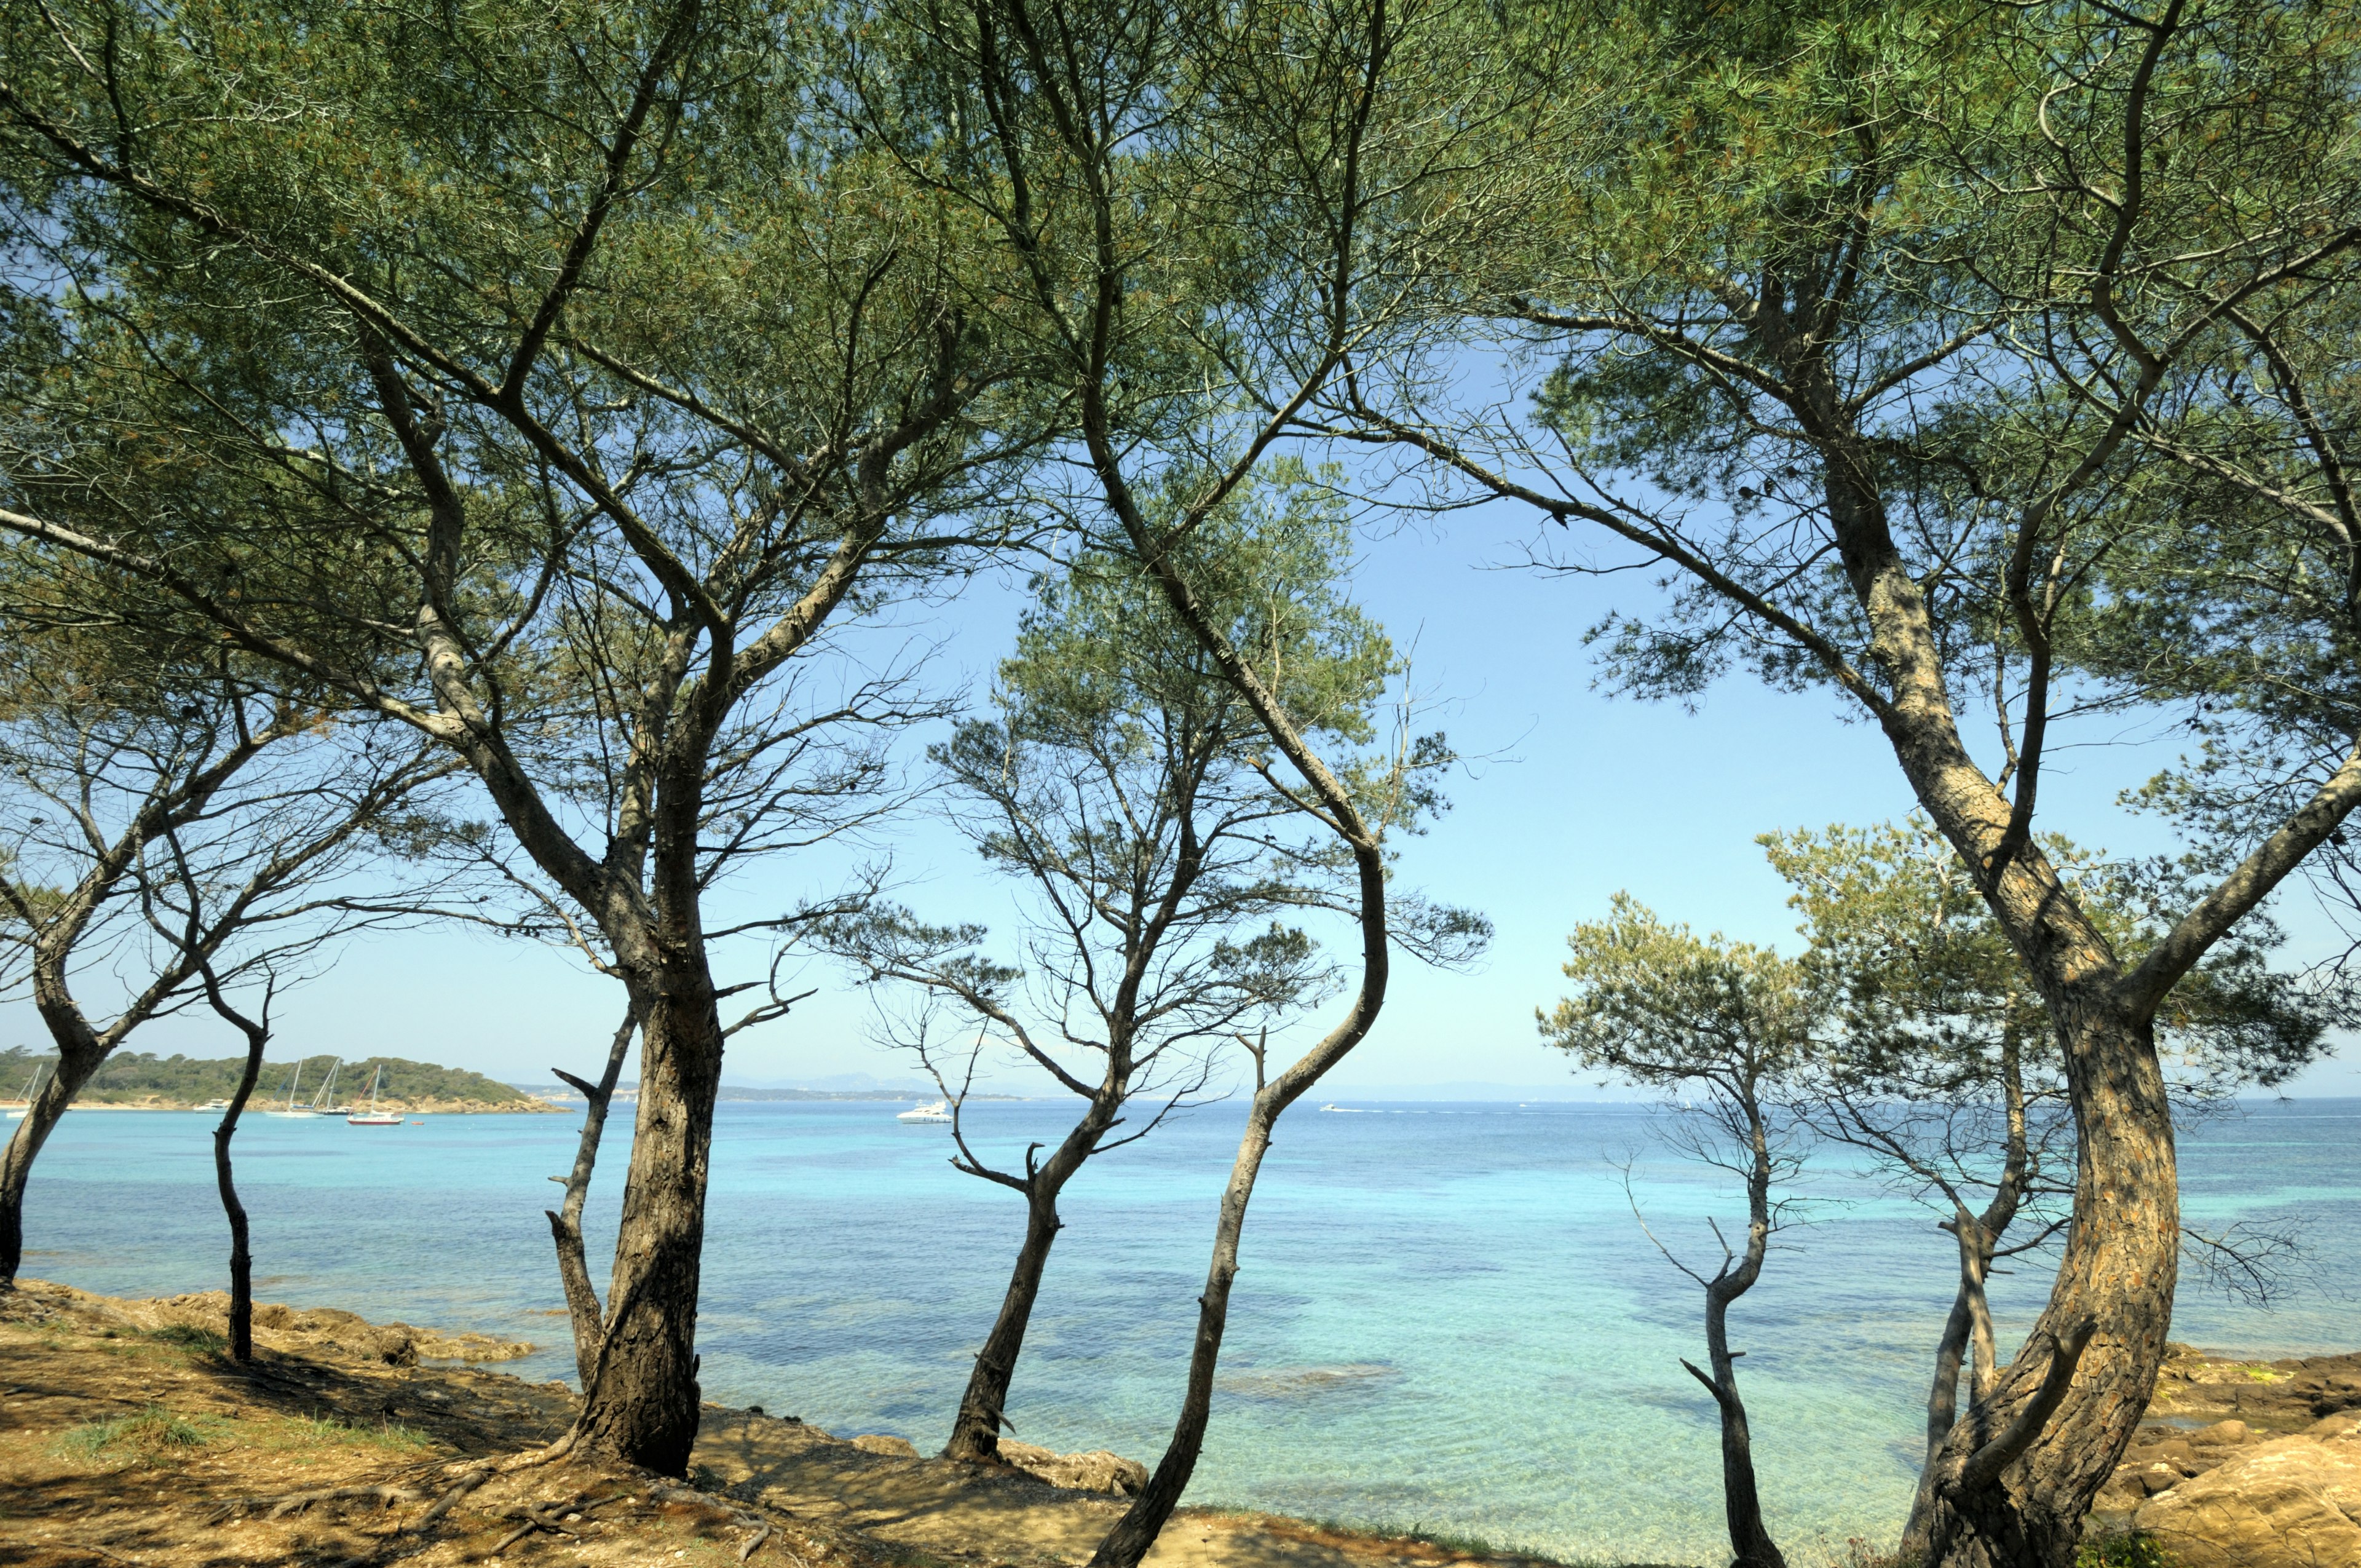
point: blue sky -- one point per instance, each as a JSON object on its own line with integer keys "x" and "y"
{"x": 1569, "y": 797}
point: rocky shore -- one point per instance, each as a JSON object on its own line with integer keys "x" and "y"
{"x": 126, "y": 1437}
{"x": 2247, "y": 1464}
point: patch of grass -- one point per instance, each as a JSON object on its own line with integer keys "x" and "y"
{"x": 311, "y": 1430}
{"x": 189, "y": 1337}
{"x": 2122, "y": 1550}
{"x": 154, "y": 1436}
{"x": 706, "y": 1478}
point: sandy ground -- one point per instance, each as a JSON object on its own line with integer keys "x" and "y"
{"x": 126, "y": 1437}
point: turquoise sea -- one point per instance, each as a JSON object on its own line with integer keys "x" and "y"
{"x": 1448, "y": 1315}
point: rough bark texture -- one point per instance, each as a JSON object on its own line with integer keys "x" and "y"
{"x": 643, "y": 1399}
{"x": 565, "y": 1221}
{"x": 74, "y": 1069}
{"x": 1968, "y": 1331}
{"x": 975, "y": 1430}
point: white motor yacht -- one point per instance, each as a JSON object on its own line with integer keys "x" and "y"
{"x": 940, "y": 1111}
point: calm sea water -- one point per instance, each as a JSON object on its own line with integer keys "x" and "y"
{"x": 1448, "y": 1316}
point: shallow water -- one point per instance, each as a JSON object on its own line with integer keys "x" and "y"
{"x": 1447, "y": 1317}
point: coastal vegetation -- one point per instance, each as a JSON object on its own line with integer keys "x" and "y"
{"x": 137, "y": 1078}
{"x": 462, "y": 465}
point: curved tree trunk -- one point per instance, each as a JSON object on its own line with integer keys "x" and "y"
{"x": 642, "y": 1402}
{"x": 1950, "y": 1356}
{"x": 1741, "y": 1503}
{"x": 74, "y": 1069}
{"x": 975, "y": 1431}
{"x": 241, "y": 1255}
{"x": 2117, "y": 1275}
{"x": 1133, "y": 1534}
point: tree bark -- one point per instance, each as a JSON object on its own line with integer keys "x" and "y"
{"x": 2120, "y": 1264}
{"x": 566, "y": 1222}
{"x": 1741, "y": 1503}
{"x": 975, "y": 1431}
{"x": 1950, "y": 1356}
{"x": 641, "y": 1400}
{"x": 1133, "y": 1534}
{"x": 1968, "y": 1332}
{"x": 74, "y": 1069}
{"x": 241, "y": 1255}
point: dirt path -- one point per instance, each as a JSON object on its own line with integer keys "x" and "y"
{"x": 125, "y": 1437}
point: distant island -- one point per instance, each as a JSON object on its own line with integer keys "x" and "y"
{"x": 137, "y": 1080}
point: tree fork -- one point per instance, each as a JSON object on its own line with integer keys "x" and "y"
{"x": 642, "y": 1402}
{"x": 566, "y": 1222}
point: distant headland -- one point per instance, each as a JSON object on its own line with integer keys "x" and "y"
{"x": 135, "y": 1080}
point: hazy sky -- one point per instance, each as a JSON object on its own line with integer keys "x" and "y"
{"x": 1569, "y": 797}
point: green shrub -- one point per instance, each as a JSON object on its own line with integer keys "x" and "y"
{"x": 189, "y": 1337}
{"x": 2122, "y": 1550}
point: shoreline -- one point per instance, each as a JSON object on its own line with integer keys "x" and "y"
{"x": 2205, "y": 1474}
{"x": 122, "y": 1423}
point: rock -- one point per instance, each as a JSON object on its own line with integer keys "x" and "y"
{"x": 1097, "y": 1470}
{"x": 2293, "y": 1502}
{"x": 395, "y": 1345}
{"x": 882, "y": 1442}
{"x": 2222, "y": 1435}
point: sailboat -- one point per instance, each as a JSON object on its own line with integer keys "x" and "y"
{"x": 324, "y": 1103}
{"x": 30, "y": 1084}
{"x": 373, "y": 1117}
{"x": 293, "y": 1081}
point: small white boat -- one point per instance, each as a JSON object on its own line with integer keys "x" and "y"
{"x": 324, "y": 1103}
{"x": 19, "y": 1114}
{"x": 940, "y": 1111}
{"x": 214, "y": 1105}
{"x": 373, "y": 1117}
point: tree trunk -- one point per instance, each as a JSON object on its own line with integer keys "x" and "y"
{"x": 1750, "y": 1541}
{"x": 976, "y": 1433}
{"x": 641, "y": 1402}
{"x": 1950, "y": 1355}
{"x": 1134, "y": 1534}
{"x": 74, "y": 1069}
{"x": 566, "y": 1222}
{"x": 2117, "y": 1275}
{"x": 241, "y": 1257}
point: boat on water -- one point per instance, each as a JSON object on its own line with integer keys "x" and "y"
{"x": 940, "y": 1111}
{"x": 324, "y": 1103}
{"x": 214, "y": 1105}
{"x": 373, "y": 1117}
{"x": 31, "y": 1083}
{"x": 294, "y": 1081}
